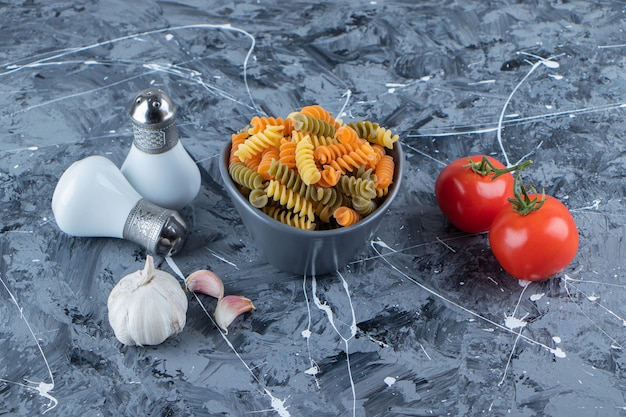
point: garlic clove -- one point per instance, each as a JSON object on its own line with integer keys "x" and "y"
{"x": 147, "y": 306}
{"x": 229, "y": 308}
{"x": 205, "y": 282}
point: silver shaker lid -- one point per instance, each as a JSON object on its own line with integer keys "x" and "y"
{"x": 161, "y": 231}
{"x": 153, "y": 114}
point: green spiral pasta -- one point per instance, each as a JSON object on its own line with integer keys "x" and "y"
{"x": 258, "y": 198}
{"x": 245, "y": 176}
{"x": 353, "y": 186}
{"x": 290, "y": 178}
{"x": 363, "y": 206}
{"x": 365, "y": 129}
{"x": 288, "y": 198}
{"x": 311, "y": 125}
{"x": 365, "y": 173}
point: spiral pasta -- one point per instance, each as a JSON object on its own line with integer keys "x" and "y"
{"x": 259, "y": 124}
{"x": 352, "y": 186}
{"x": 346, "y": 216}
{"x": 305, "y": 162}
{"x": 270, "y": 154}
{"x": 289, "y": 218}
{"x": 288, "y": 198}
{"x": 384, "y": 137}
{"x": 363, "y": 206}
{"x": 236, "y": 140}
{"x": 290, "y": 178}
{"x": 319, "y": 112}
{"x": 384, "y": 172}
{"x": 245, "y": 176}
{"x": 255, "y": 144}
{"x": 311, "y": 125}
{"x": 311, "y": 171}
{"x": 287, "y": 152}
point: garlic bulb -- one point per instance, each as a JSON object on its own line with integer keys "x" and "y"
{"x": 147, "y": 306}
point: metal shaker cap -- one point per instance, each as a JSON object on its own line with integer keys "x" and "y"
{"x": 153, "y": 114}
{"x": 161, "y": 231}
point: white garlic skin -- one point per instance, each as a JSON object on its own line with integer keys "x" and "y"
{"x": 147, "y": 306}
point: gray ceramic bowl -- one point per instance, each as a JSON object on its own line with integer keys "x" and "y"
{"x": 303, "y": 251}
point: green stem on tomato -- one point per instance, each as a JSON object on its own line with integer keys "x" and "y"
{"x": 522, "y": 203}
{"x": 484, "y": 167}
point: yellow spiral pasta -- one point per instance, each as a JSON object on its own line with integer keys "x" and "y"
{"x": 289, "y": 199}
{"x": 255, "y": 144}
{"x": 384, "y": 137}
{"x": 305, "y": 162}
{"x": 289, "y": 218}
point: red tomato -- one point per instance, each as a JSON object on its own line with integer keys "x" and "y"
{"x": 469, "y": 199}
{"x": 537, "y": 245}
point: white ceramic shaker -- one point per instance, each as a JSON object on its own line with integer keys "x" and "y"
{"x": 158, "y": 166}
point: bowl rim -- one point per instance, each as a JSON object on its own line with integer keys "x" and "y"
{"x": 273, "y": 223}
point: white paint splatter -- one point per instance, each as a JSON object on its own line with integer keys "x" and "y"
{"x": 389, "y": 381}
{"x": 556, "y": 339}
{"x": 537, "y": 297}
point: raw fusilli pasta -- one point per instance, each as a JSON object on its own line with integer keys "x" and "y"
{"x": 245, "y": 176}
{"x": 255, "y": 144}
{"x": 308, "y": 169}
{"x": 289, "y": 218}
{"x": 346, "y": 216}
{"x": 306, "y": 163}
{"x": 288, "y": 198}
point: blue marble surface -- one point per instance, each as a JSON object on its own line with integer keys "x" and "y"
{"x": 424, "y": 322}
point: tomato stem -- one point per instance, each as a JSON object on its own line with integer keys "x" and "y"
{"x": 522, "y": 202}
{"x": 484, "y": 167}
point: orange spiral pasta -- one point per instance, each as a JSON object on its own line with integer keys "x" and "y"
{"x": 236, "y": 140}
{"x": 327, "y": 153}
{"x": 384, "y": 172}
{"x": 346, "y": 216}
{"x": 287, "y": 152}
{"x": 347, "y": 135}
{"x": 354, "y": 159}
{"x": 270, "y": 154}
{"x": 259, "y": 124}
{"x": 329, "y": 177}
{"x": 306, "y": 163}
